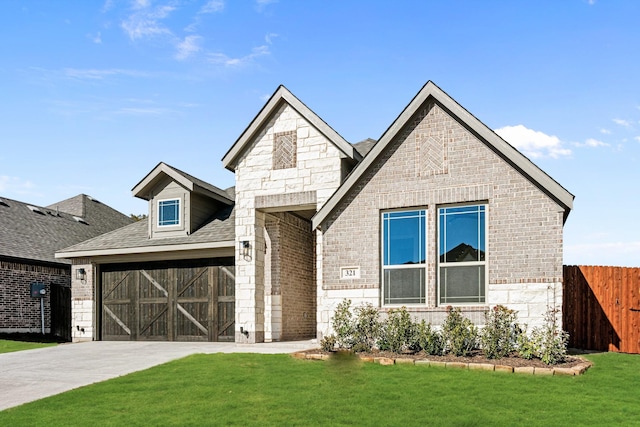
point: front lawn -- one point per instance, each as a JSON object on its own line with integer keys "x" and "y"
{"x": 251, "y": 389}
{"x": 7, "y": 346}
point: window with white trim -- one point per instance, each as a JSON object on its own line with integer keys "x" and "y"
{"x": 403, "y": 257}
{"x": 462, "y": 254}
{"x": 168, "y": 212}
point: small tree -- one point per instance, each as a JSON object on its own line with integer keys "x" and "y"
{"x": 398, "y": 332}
{"x": 500, "y": 334}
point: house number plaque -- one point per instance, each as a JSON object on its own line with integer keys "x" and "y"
{"x": 349, "y": 272}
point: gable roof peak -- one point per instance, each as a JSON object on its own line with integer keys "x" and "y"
{"x": 511, "y": 155}
{"x": 190, "y": 182}
{"x": 282, "y": 94}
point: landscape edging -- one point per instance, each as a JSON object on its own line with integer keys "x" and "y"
{"x": 572, "y": 371}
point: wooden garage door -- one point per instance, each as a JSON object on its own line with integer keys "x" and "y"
{"x": 178, "y": 301}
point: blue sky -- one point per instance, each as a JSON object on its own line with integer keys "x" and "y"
{"x": 96, "y": 93}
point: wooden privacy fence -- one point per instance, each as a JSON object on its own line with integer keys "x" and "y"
{"x": 601, "y": 308}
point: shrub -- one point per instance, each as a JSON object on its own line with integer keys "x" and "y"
{"x": 343, "y": 325}
{"x": 500, "y": 333}
{"x": 366, "y": 330}
{"x": 398, "y": 332}
{"x": 459, "y": 334}
{"x": 429, "y": 340}
{"x": 328, "y": 343}
{"x": 548, "y": 342}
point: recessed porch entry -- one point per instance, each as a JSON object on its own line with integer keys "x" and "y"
{"x": 188, "y": 300}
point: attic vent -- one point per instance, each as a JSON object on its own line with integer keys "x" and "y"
{"x": 80, "y": 220}
{"x": 35, "y": 209}
{"x": 3, "y": 203}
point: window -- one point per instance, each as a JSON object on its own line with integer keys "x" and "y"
{"x": 461, "y": 250}
{"x": 403, "y": 257}
{"x": 168, "y": 212}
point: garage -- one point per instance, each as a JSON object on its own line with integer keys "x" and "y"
{"x": 185, "y": 300}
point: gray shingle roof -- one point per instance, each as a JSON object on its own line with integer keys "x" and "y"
{"x": 219, "y": 228}
{"x": 364, "y": 146}
{"x": 35, "y": 233}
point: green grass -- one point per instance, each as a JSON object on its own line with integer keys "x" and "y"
{"x": 7, "y": 346}
{"x": 262, "y": 390}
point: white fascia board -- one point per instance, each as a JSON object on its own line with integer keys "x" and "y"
{"x": 146, "y": 249}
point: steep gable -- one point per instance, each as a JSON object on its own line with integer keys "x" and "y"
{"x": 434, "y": 160}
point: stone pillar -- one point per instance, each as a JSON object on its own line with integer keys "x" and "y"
{"x": 250, "y": 276}
{"x": 83, "y": 302}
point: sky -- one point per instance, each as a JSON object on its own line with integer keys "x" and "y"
{"x": 97, "y": 93}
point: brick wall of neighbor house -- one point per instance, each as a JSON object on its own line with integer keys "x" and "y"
{"x": 317, "y": 173}
{"x": 435, "y": 161}
{"x": 82, "y": 302}
{"x": 18, "y": 311}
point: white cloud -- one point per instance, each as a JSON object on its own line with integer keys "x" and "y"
{"x": 94, "y": 74}
{"x": 212, "y": 6}
{"x": 15, "y": 185}
{"x": 146, "y": 21}
{"x": 637, "y": 138}
{"x": 269, "y": 38}
{"x": 261, "y": 4}
{"x": 591, "y": 142}
{"x": 533, "y": 143}
{"x": 221, "y": 58}
{"x": 622, "y": 122}
{"x": 97, "y": 39}
{"x": 187, "y": 47}
{"x": 138, "y": 111}
{"x": 605, "y": 131}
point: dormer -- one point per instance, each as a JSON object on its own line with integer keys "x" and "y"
{"x": 178, "y": 202}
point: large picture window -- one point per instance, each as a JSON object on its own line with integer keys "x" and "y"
{"x": 403, "y": 257}
{"x": 168, "y": 212}
{"x": 462, "y": 254}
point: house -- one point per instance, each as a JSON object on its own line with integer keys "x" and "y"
{"x": 438, "y": 212}
{"x": 29, "y": 237}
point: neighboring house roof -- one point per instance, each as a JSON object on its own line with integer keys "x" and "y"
{"x": 364, "y": 146}
{"x": 516, "y": 159}
{"x": 193, "y": 184}
{"x": 280, "y": 96}
{"x": 217, "y": 232}
{"x": 35, "y": 233}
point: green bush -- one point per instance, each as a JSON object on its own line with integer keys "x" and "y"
{"x": 398, "y": 332}
{"x": 328, "y": 343}
{"x": 459, "y": 334}
{"x": 500, "y": 333}
{"x": 343, "y": 325}
{"x": 547, "y": 343}
{"x": 366, "y": 328}
{"x": 429, "y": 340}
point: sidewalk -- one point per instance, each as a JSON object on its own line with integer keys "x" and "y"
{"x": 30, "y": 375}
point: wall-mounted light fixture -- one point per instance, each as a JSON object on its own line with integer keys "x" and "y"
{"x": 245, "y": 248}
{"x": 81, "y": 274}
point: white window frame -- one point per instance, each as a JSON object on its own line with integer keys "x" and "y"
{"x": 463, "y": 264}
{"x": 423, "y": 266}
{"x": 179, "y": 200}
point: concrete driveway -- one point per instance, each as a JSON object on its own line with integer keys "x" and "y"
{"x": 30, "y": 375}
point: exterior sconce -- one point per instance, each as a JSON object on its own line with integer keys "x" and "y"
{"x": 81, "y": 274}
{"x": 245, "y": 248}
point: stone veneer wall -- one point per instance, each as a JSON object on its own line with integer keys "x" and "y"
{"x": 433, "y": 162}
{"x": 318, "y": 171}
{"x": 18, "y": 311}
{"x": 83, "y": 302}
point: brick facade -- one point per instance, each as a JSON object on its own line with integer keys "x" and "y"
{"x": 19, "y": 312}
{"x": 435, "y": 161}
